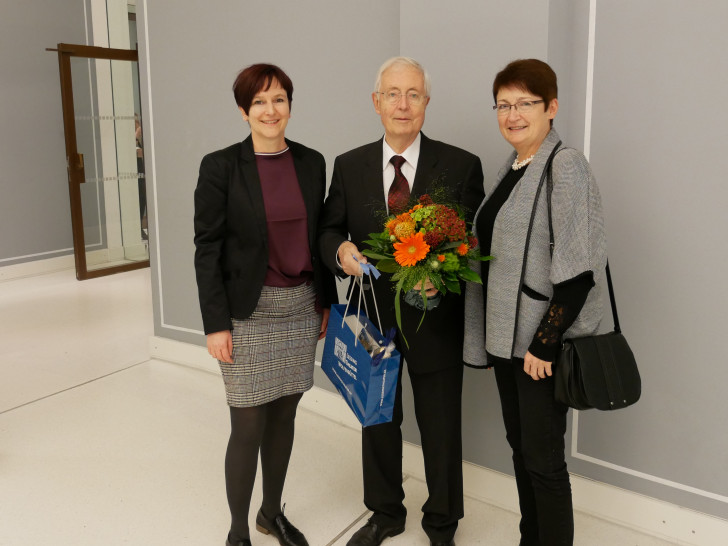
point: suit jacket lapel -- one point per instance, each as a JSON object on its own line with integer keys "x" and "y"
{"x": 373, "y": 200}
{"x": 251, "y": 181}
{"x": 372, "y": 175}
{"x": 426, "y": 167}
{"x": 306, "y": 176}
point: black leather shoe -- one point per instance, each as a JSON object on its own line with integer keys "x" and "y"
{"x": 450, "y": 542}
{"x": 280, "y": 528}
{"x": 244, "y": 542}
{"x": 372, "y": 534}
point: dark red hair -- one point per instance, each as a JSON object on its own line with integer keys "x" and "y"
{"x": 256, "y": 78}
{"x": 531, "y": 75}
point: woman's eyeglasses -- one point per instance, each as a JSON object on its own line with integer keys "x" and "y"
{"x": 522, "y": 107}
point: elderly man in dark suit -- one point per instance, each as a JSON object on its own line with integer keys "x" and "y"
{"x": 367, "y": 183}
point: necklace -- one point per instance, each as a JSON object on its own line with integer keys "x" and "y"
{"x": 520, "y": 164}
{"x": 269, "y": 154}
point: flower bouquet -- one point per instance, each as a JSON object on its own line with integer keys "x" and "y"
{"x": 429, "y": 242}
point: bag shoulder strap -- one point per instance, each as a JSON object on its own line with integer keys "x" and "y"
{"x": 528, "y": 240}
{"x": 549, "y": 190}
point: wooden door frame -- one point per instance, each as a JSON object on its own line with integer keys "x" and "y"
{"x": 74, "y": 161}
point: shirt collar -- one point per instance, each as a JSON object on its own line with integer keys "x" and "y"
{"x": 411, "y": 154}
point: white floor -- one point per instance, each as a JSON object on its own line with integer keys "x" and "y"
{"x": 101, "y": 445}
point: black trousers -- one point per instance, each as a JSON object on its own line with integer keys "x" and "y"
{"x": 437, "y": 398}
{"x": 535, "y": 427}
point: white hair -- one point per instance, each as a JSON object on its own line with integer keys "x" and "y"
{"x": 407, "y": 61}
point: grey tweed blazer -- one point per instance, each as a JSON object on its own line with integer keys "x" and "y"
{"x": 511, "y": 316}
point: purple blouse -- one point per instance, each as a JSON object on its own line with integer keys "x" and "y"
{"x": 289, "y": 256}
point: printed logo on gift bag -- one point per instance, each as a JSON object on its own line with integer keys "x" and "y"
{"x": 340, "y": 350}
{"x": 347, "y": 362}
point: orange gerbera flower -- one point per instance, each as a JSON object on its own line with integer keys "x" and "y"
{"x": 411, "y": 250}
{"x": 463, "y": 249}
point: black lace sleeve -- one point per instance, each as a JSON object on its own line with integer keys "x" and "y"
{"x": 568, "y": 299}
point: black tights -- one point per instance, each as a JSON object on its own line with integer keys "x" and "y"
{"x": 267, "y": 429}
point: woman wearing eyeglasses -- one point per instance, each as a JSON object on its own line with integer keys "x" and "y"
{"x": 263, "y": 293}
{"x": 533, "y": 293}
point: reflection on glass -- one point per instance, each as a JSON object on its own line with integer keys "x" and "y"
{"x": 109, "y": 136}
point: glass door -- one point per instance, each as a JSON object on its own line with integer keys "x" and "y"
{"x": 105, "y": 159}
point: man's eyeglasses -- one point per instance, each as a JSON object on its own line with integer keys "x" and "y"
{"x": 393, "y": 97}
{"x": 524, "y": 107}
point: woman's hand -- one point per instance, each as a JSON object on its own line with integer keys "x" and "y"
{"x": 430, "y": 289}
{"x": 324, "y": 323}
{"x": 220, "y": 345}
{"x": 535, "y": 367}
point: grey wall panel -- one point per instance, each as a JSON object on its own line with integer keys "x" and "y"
{"x": 658, "y": 147}
{"x": 35, "y": 218}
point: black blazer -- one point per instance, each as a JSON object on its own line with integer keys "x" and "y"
{"x": 231, "y": 236}
{"x": 355, "y": 207}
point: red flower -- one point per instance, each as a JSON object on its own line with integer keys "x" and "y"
{"x": 434, "y": 238}
{"x": 448, "y": 223}
{"x": 426, "y": 200}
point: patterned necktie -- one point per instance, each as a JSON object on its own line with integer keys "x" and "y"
{"x": 399, "y": 191}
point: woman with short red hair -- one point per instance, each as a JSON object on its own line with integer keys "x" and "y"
{"x": 542, "y": 222}
{"x": 263, "y": 295}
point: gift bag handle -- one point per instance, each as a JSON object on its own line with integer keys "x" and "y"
{"x": 370, "y": 270}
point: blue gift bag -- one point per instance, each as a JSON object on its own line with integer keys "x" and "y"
{"x": 368, "y": 384}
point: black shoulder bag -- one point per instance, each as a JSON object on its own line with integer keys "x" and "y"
{"x": 597, "y": 371}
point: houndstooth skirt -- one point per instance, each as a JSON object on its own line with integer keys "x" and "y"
{"x": 273, "y": 349}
